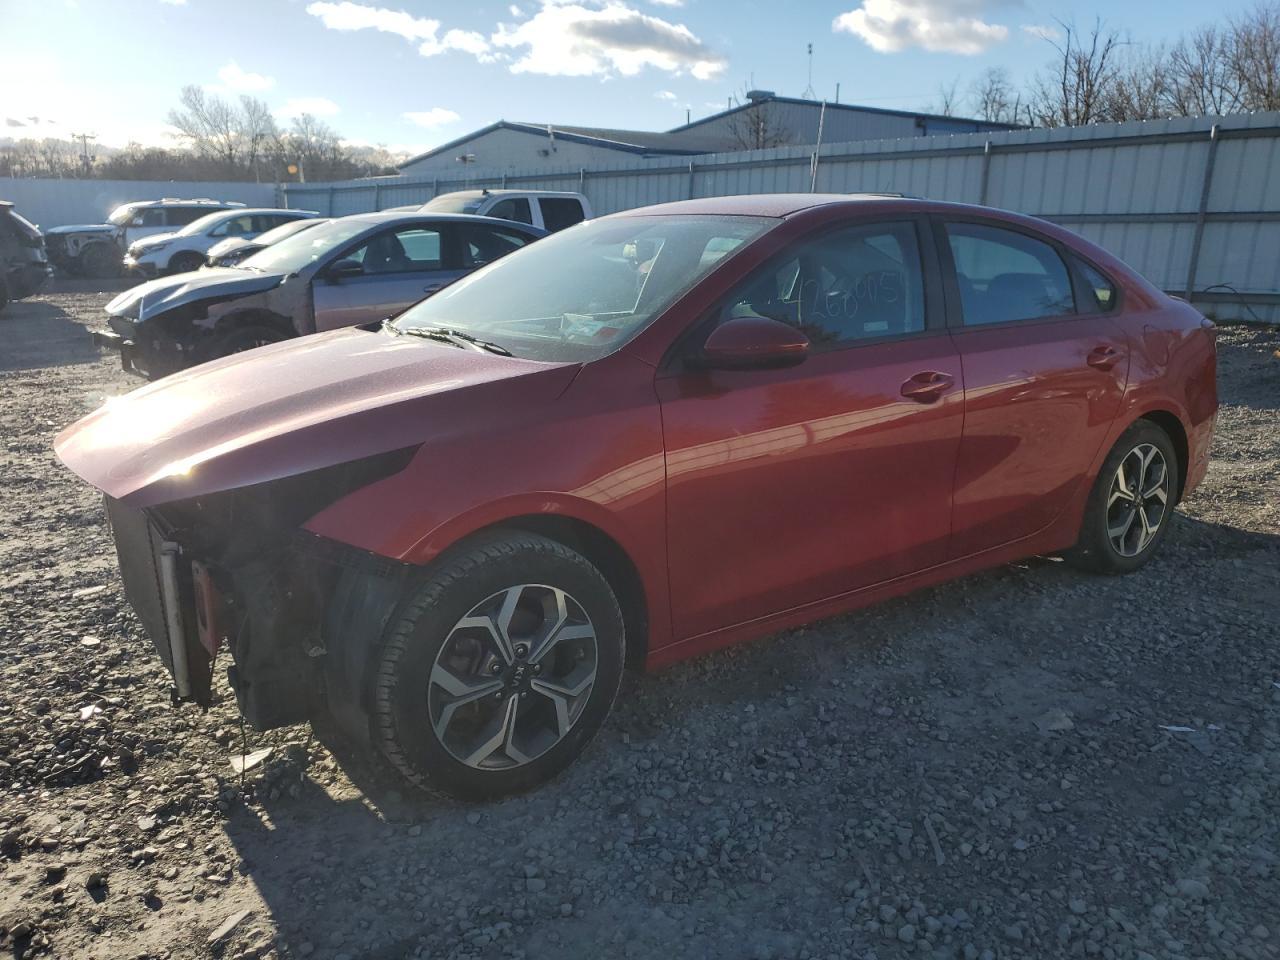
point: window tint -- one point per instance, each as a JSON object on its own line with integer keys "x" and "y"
{"x": 512, "y": 208}
{"x": 181, "y": 216}
{"x": 1103, "y": 290}
{"x": 485, "y": 244}
{"x": 262, "y": 222}
{"x": 151, "y": 217}
{"x": 858, "y": 283}
{"x": 400, "y": 251}
{"x": 560, "y": 212}
{"x": 1004, "y": 275}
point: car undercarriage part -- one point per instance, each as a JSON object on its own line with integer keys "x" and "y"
{"x": 299, "y": 614}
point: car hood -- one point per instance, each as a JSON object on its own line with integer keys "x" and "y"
{"x": 153, "y": 240}
{"x": 166, "y": 293}
{"x": 82, "y": 228}
{"x": 226, "y": 246}
{"x": 293, "y": 407}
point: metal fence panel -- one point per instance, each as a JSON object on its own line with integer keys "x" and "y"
{"x": 1190, "y": 200}
{"x": 57, "y": 203}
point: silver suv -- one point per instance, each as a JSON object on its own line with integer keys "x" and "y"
{"x": 95, "y": 249}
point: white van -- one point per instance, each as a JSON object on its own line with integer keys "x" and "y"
{"x": 549, "y": 209}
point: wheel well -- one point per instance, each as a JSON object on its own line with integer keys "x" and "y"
{"x": 264, "y": 318}
{"x": 1172, "y": 426}
{"x": 610, "y": 559}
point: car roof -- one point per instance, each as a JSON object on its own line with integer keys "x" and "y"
{"x": 508, "y": 193}
{"x": 240, "y": 211}
{"x": 213, "y": 205}
{"x": 389, "y": 216}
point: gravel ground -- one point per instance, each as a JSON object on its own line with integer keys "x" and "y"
{"x": 1026, "y": 763}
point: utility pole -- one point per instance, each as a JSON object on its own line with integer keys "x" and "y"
{"x": 86, "y": 160}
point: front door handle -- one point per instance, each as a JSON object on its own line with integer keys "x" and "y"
{"x": 1103, "y": 357}
{"x": 433, "y": 288}
{"x": 928, "y": 386}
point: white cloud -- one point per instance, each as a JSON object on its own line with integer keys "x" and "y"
{"x": 424, "y": 31}
{"x": 237, "y": 80}
{"x": 435, "y": 117}
{"x": 660, "y": 3}
{"x": 1042, "y": 31}
{"x": 666, "y": 95}
{"x": 356, "y": 16}
{"x": 175, "y": 3}
{"x": 950, "y": 26}
{"x": 515, "y": 11}
{"x": 316, "y": 106}
{"x": 568, "y": 39}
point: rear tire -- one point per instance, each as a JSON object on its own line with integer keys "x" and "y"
{"x": 1131, "y": 505}
{"x": 499, "y": 670}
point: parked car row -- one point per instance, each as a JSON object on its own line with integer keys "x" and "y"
{"x": 642, "y": 438}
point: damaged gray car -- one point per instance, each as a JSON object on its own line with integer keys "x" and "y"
{"x": 349, "y": 271}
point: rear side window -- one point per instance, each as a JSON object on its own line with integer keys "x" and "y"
{"x": 560, "y": 212}
{"x": 483, "y": 245}
{"x": 179, "y": 216}
{"x": 858, "y": 283}
{"x": 1004, "y": 275}
{"x": 1103, "y": 291}
{"x": 512, "y": 208}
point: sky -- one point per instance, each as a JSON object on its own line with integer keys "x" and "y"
{"x": 412, "y": 74}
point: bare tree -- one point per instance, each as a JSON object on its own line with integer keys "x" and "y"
{"x": 1202, "y": 78}
{"x": 209, "y": 125}
{"x": 1139, "y": 88}
{"x": 258, "y": 133}
{"x": 757, "y": 127}
{"x": 948, "y": 99}
{"x": 1254, "y": 55}
{"x": 994, "y": 97}
{"x": 1073, "y": 91}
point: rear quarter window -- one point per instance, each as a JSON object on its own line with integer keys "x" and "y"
{"x": 560, "y": 212}
{"x": 1101, "y": 291}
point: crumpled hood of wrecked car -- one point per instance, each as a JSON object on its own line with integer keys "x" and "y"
{"x": 292, "y": 407}
{"x": 165, "y": 293}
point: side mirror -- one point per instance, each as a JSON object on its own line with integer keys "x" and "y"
{"x": 344, "y": 269}
{"x": 753, "y": 343}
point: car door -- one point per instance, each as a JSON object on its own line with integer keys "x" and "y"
{"x": 402, "y": 264}
{"x": 789, "y": 486}
{"x": 1045, "y": 367}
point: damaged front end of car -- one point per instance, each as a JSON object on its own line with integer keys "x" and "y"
{"x": 235, "y": 569}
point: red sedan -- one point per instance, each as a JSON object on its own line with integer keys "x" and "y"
{"x": 646, "y": 437}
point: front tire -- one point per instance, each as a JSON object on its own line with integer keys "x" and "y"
{"x": 185, "y": 262}
{"x": 1131, "y": 504}
{"x": 239, "y": 339}
{"x": 500, "y": 669}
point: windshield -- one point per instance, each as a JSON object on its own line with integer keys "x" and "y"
{"x": 204, "y": 223}
{"x": 303, "y": 249}
{"x": 276, "y": 234}
{"x": 582, "y": 293}
{"x": 454, "y": 203}
{"x": 121, "y": 215}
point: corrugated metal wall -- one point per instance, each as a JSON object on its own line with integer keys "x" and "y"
{"x": 1162, "y": 195}
{"x": 57, "y": 203}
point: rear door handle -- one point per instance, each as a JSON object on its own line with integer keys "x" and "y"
{"x": 433, "y": 288}
{"x": 927, "y": 386}
{"x": 1104, "y": 358}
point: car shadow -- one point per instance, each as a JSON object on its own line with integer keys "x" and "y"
{"x": 37, "y": 334}
{"x": 362, "y": 865}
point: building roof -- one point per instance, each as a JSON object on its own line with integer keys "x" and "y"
{"x": 685, "y": 140}
{"x": 643, "y": 142}
{"x": 883, "y": 111}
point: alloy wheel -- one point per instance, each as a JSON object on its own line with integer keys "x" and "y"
{"x": 512, "y": 677}
{"x": 1138, "y": 500}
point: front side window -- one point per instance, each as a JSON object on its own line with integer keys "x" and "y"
{"x": 582, "y": 293}
{"x": 856, "y": 283}
{"x": 560, "y": 212}
{"x": 482, "y": 244}
{"x": 1004, "y": 275}
{"x": 512, "y": 208}
{"x": 407, "y": 250}
{"x": 234, "y": 227}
